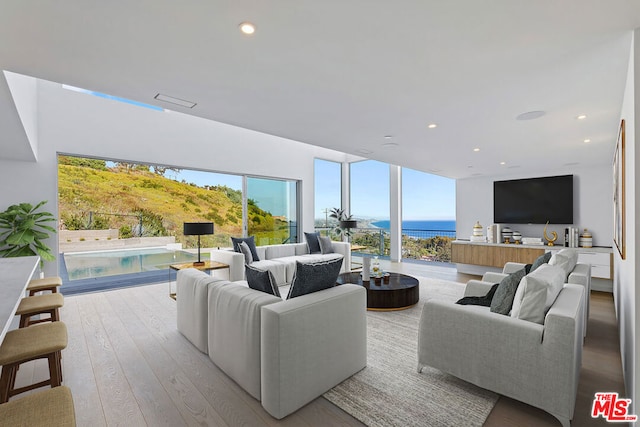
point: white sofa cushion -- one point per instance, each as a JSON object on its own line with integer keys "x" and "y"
{"x": 537, "y": 292}
{"x": 192, "y": 288}
{"x": 279, "y": 251}
{"x": 565, "y": 259}
{"x": 234, "y": 332}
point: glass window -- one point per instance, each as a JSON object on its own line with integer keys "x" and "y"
{"x": 370, "y": 206}
{"x": 428, "y": 215}
{"x": 327, "y": 191}
{"x": 272, "y": 207}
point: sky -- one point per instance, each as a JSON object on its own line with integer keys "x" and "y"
{"x": 424, "y": 196}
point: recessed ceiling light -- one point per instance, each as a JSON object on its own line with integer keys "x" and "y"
{"x": 581, "y": 117}
{"x": 587, "y": 140}
{"x": 388, "y": 137}
{"x": 530, "y": 115}
{"x": 476, "y": 149}
{"x": 390, "y": 145}
{"x": 503, "y": 163}
{"x": 247, "y": 28}
{"x": 432, "y": 126}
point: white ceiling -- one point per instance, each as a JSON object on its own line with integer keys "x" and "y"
{"x": 344, "y": 74}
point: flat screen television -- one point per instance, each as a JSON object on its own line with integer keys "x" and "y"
{"x": 534, "y": 200}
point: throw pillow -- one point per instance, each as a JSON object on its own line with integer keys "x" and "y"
{"x": 250, "y": 242}
{"x": 261, "y": 280}
{"x": 537, "y": 292}
{"x": 484, "y": 301}
{"x": 312, "y": 277}
{"x": 244, "y": 249}
{"x": 542, "y": 259}
{"x": 326, "y": 247}
{"x": 503, "y": 298}
{"x": 565, "y": 259}
{"x": 313, "y": 244}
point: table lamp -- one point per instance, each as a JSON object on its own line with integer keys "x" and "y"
{"x": 198, "y": 229}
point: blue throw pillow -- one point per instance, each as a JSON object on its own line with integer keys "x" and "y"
{"x": 316, "y": 276}
{"x": 250, "y": 242}
{"x": 312, "y": 242}
{"x": 262, "y": 280}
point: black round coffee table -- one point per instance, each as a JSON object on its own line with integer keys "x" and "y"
{"x": 401, "y": 291}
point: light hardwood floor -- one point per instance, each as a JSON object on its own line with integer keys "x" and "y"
{"x": 126, "y": 364}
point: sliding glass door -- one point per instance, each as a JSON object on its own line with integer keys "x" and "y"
{"x": 272, "y": 210}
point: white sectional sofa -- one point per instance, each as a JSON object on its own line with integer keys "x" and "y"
{"x": 283, "y": 353}
{"x": 279, "y": 259}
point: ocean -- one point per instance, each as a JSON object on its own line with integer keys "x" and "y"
{"x": 417, "y": 228}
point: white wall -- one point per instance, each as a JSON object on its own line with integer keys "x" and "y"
{"x": 627, "y": 271}
{"x": 592, "y": 203}
{"x": 76, "y": 123}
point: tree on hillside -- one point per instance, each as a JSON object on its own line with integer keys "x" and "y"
{"x": 83, "y": 162}
{"x": 161, "y": 170}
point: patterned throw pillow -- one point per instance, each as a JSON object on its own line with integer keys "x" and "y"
{"x": 312, "y": 277}
{"x": 235, "y": 241}
{"x": 262, "y": 280}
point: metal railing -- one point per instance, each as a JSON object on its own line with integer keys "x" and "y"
{"x": 425, "y": 245}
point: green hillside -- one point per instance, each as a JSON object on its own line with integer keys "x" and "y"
{"x": 88, "y": 185}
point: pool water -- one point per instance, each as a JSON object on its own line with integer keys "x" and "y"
{"x": 86, "y": 265}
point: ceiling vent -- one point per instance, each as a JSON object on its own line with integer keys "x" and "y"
{"x": 175, "y": 101}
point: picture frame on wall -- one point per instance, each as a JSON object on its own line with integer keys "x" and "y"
{"x": 619, "y": 193}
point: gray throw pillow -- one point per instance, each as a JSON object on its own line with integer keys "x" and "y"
{"x": 503, "y": 298}
{"x": 326, "y": 247}
{"x": 542, "y": 259}
{"x": 244, "y": 249}
{"x": 312, "y": 277}
{"x": 235, "y": 241}
{"x": 262, "y": 280}
{"x": 312, "y": 242}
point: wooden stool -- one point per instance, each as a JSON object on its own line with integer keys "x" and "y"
{"x": 49, "y": 408}
{"x": 47, "y": 284}
{"x": 27, "y": 344}
{"x": 39, "y": 304}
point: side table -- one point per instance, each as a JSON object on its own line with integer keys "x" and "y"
{"x": 208, "y": 267}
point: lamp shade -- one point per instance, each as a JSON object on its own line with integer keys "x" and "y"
{"x": 349, "y": 223}
{"x": 197, "y": 228}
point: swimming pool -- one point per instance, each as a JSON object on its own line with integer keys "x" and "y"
{"x": 87, "y": 265}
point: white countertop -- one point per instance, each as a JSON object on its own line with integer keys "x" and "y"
{"x": 605, "y": 249}
{"x": 15, "y": 274}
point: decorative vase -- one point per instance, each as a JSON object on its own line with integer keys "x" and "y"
{"x": 507, "y": 234}
{"x": 366, "y": 269}
{"x": 586, "y": 239}
{"x": 517, "y": 237}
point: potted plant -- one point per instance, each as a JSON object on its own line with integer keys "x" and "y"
{"x": 345, "y": 222}
{"x": 22, "y": 230}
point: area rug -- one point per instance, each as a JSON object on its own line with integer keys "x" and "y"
{"x": 390, "y": 391}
